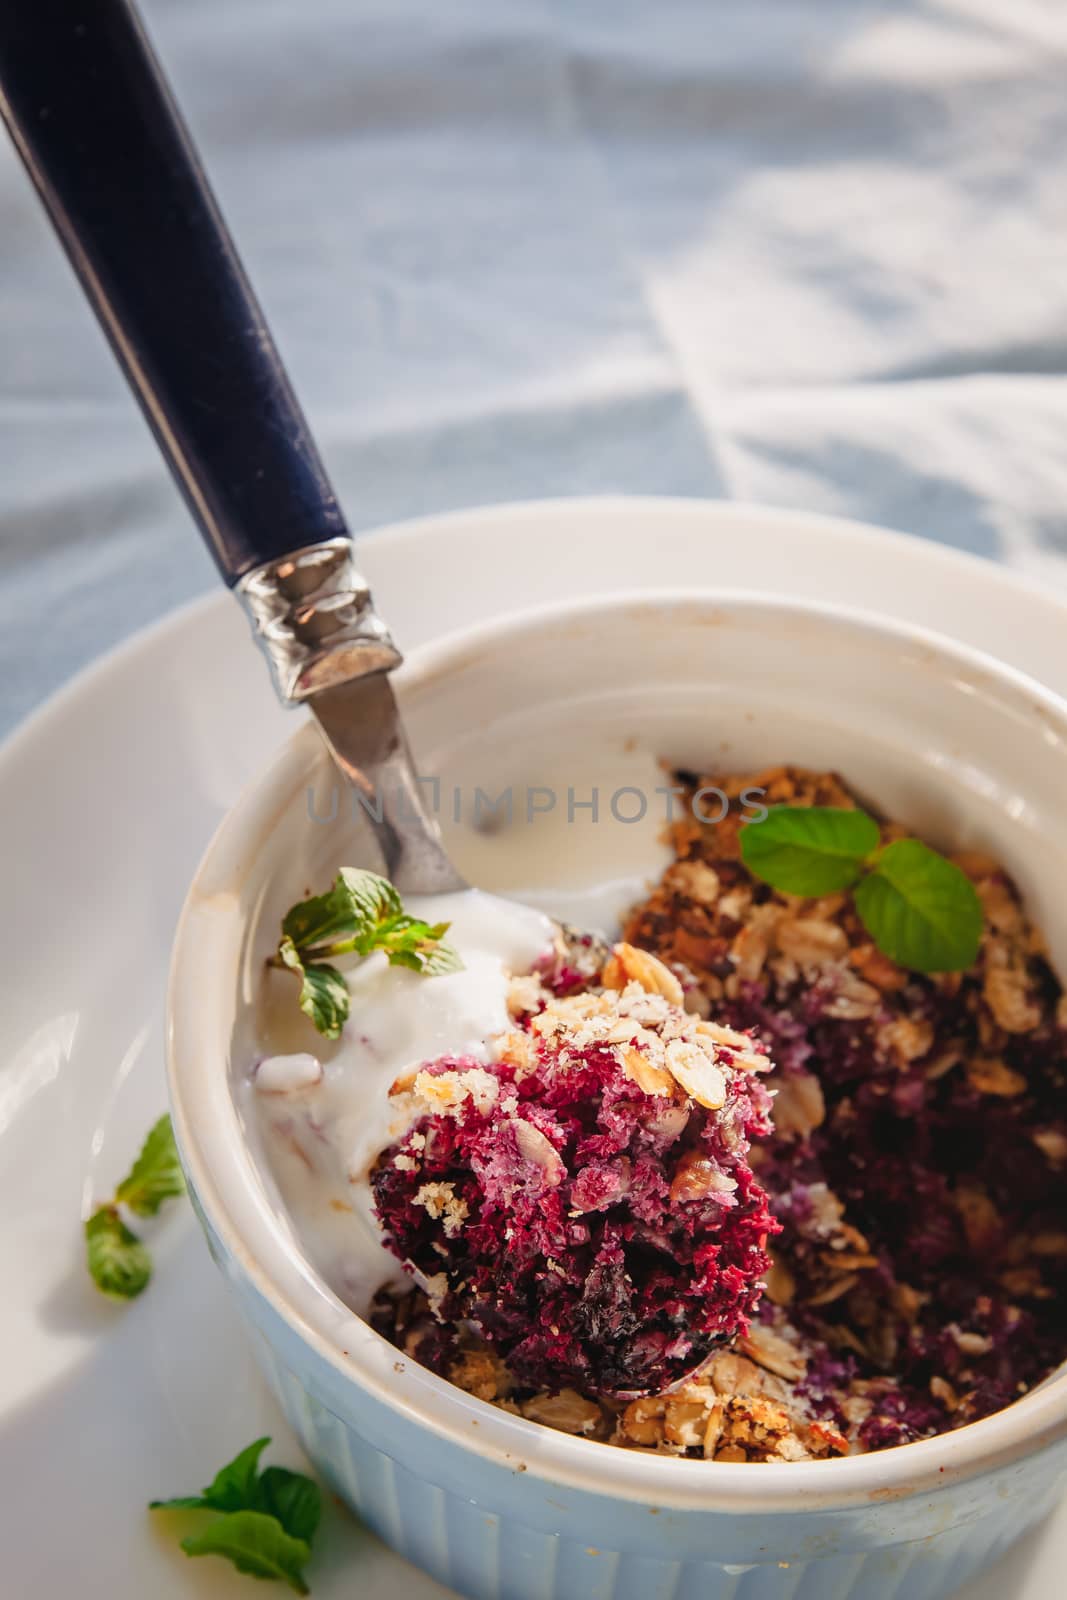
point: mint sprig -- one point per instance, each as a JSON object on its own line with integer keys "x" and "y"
{"x": 360, "y": 914}
{"x": 257, "y": 1545}
{"x": 268, "y": 1519}
{"x": 920, "y": 909}
{"x": 155, "y": 1176}
{"x": 119, "y": 1264}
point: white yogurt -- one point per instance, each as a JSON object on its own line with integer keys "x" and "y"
{"x": 323, "y": 1122}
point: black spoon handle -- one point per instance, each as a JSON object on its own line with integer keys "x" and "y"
{"x": 98, "y": 129}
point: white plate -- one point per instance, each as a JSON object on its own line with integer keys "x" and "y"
{"x": 108, "y": 797}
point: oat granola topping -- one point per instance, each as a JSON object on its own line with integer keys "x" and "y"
{"x": 920, "y": 1144}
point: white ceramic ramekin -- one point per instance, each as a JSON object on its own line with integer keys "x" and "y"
{"x": 495, "y": 1506}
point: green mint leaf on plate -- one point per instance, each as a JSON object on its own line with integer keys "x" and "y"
{"x": 240, "y": 1486}
{"x": 294, "y": 1499}
{"x": 359, "y": 914}
{"x": 155, "y": 1176}
{"x": 809, "y": 850}
{"x": 269, "y": 1518}
{"x": 920, "y": 909}
{"x": 234, "y": 1486}
{"x": 257, "y": 1544}
{"x": 119, "y": 1264}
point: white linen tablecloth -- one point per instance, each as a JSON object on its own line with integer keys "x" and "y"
{"x": 808, "y": 252}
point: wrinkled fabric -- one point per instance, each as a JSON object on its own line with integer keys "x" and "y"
{"x": 806, "y": 252}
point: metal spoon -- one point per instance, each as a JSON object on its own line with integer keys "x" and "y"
{"x": 98, "y": 129}
{"x": 99, "y": 132}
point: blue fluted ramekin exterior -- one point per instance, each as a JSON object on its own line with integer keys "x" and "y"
{"x": 501, "y": 1532}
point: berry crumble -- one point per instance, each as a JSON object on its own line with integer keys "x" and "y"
{"x": 874, "y": 1249}
{"x": 586, "y": 1195}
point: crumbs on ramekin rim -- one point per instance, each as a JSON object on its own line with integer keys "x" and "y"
{"x": 917, "y": 1165}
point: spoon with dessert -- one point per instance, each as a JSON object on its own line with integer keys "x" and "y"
{"x": 573, "y": 1180}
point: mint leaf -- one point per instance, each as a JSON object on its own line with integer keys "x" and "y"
{"x": 920, "y": 909}
{"x": 360, "y": 914}
{"x": 357, "y": 902}
{"x": 809, "y": 850}
{"x": 294, "y": 1499}
{"x": 324, "y": 996}
{"x": 234, "y": 1485}
{"x": 257, "y": 1544}
{"x": 405, "y": 958}
{"x": 269, "y": 1518}
{"x": 420, "y": 946}
{"x": 155, "y": 1176}
{"x": 436, "y": 960}
{"x": 118, "y": 1262}
{"x": 374, "y": 898}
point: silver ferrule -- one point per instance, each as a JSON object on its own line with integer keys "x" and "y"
{"x": 313, "y": 617}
